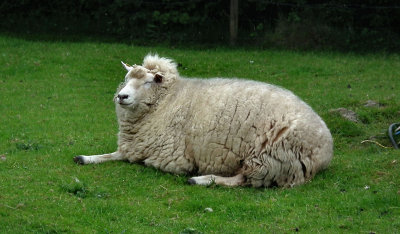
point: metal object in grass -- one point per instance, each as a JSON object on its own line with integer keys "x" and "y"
{"x": 394, "y": 134}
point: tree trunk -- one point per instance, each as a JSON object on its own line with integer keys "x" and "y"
{"x": 234, "y": 19}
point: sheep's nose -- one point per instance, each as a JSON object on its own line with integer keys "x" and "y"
{"x": 122, "y": 96}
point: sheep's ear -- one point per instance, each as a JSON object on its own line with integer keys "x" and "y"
{"x": 158, "y": 78}
{"x": 127, "y": 66}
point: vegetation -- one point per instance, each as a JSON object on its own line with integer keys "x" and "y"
{"x": 56, "y": 102}
{"x": 302, "y": 24}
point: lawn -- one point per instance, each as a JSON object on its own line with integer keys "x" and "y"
{"x": 56, "y": 102}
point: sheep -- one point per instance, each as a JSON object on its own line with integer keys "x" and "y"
{"x": 230, "y": 132}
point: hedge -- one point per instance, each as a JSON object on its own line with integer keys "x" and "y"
{"x": 345, "y": 24}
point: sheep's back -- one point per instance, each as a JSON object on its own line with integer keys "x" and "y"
{"x": 226, "y": 122}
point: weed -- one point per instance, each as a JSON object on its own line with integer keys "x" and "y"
{"x": 28, "y": 146}
{"x": 76, "y": 188}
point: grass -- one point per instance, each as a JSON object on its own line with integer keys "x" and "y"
{"x": 56, "y": 102}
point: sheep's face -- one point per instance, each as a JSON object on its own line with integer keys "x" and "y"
{"x": 139, "y": 89}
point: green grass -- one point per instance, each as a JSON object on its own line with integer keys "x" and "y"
{"x": 56, "y": 102}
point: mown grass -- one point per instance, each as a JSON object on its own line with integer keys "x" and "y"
{"x": 56, "y": 102}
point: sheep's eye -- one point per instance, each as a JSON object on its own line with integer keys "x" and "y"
{"x": 158, "y": 78}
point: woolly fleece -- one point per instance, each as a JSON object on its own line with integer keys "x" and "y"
{"x": 220, "y": 126}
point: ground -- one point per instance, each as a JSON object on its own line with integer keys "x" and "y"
{"x": 56, "y": 102}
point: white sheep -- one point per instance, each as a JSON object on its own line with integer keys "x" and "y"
{"x": 228, "y": 131}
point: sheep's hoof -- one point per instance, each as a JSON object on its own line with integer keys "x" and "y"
{"x": 79, "y": 160}
{"x": 191, "y": 181}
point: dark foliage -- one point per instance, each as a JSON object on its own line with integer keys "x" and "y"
{"x": 337, "y": 24}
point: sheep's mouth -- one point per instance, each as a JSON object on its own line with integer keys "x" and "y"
{"x": 124, "y": 104}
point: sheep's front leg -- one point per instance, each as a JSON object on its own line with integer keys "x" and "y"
{"x": 82, "y": 159}
{"x": 225, "y": 181}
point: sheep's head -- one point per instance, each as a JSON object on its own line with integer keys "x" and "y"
{"x": 145, "y": 85}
